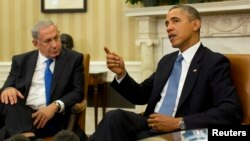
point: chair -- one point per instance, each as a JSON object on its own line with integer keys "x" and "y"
{"x": 78, "y": 111}
{"x": 240, "y": 72}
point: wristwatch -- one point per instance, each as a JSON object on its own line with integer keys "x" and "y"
{"x": 58, "y": 105}
{"x": 182, "y": 125}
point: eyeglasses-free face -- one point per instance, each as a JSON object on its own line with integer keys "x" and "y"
{"x": 48, "y": 42}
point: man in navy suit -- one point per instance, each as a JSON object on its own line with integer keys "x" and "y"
{"x": 23, "y": 99}
{"x": 206, "y": 95}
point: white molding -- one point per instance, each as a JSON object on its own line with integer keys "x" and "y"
{"x": 208, "y": 7}
{"x": 4, "y": 71}
{"x": 133, "y": 68}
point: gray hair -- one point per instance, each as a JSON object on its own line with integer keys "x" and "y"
{"x": 37, "y": 27}
{"x": 191, "y": 11}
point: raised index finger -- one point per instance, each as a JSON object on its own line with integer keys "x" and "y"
{"x": 106, "y": 50}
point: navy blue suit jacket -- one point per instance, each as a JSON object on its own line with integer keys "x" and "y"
{"x": 208, "y": 96}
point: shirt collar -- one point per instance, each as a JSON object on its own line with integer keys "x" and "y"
{"x": 188, "y": 54}
{"x": 41, "y": 59}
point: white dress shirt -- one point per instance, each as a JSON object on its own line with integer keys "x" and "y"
{"x": 37, "y": 98}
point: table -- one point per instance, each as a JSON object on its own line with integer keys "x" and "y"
{"x": 98, "y": 79}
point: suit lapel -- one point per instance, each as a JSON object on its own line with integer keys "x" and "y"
{"x": 161, "y": 76}
{"x": 192, "y": 75}
{"x": 59, "y": 65}
{"x": 31, "y": 65}
{"x": 164, "y": 72}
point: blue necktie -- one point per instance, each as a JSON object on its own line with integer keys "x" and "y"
{"x": 172, "y": 89}
{"x": 47, "y": 79}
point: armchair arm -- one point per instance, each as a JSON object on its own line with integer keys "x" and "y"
{"x": 78, "y": 111}
{"x": 78, "y": 108}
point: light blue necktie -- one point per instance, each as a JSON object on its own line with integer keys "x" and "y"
{"x": 172, "y": 89}
{"x": 47, "y": 79}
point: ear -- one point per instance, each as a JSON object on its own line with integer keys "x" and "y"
{"x": 34, "y": 42}
{"x": 196, "y": 25}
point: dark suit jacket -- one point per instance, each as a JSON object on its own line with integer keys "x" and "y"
{"x": 67, "y": 82}
{"x": 208, "y": 96}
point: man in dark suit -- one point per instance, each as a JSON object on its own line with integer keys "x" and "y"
{"x": 24, "y": 104}
{"x": 205, "y": 95}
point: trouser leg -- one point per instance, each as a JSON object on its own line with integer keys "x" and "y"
{"x": 2, "y": 133}
{"x": 1, "y": 116}
{"x": 119, "y": 125}
{"x": 2, "y": 128}
{"x": 18, "y": 119}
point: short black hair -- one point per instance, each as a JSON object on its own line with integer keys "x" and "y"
{"x": 191, "y": 11}
{"x": 67, "y": 41}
